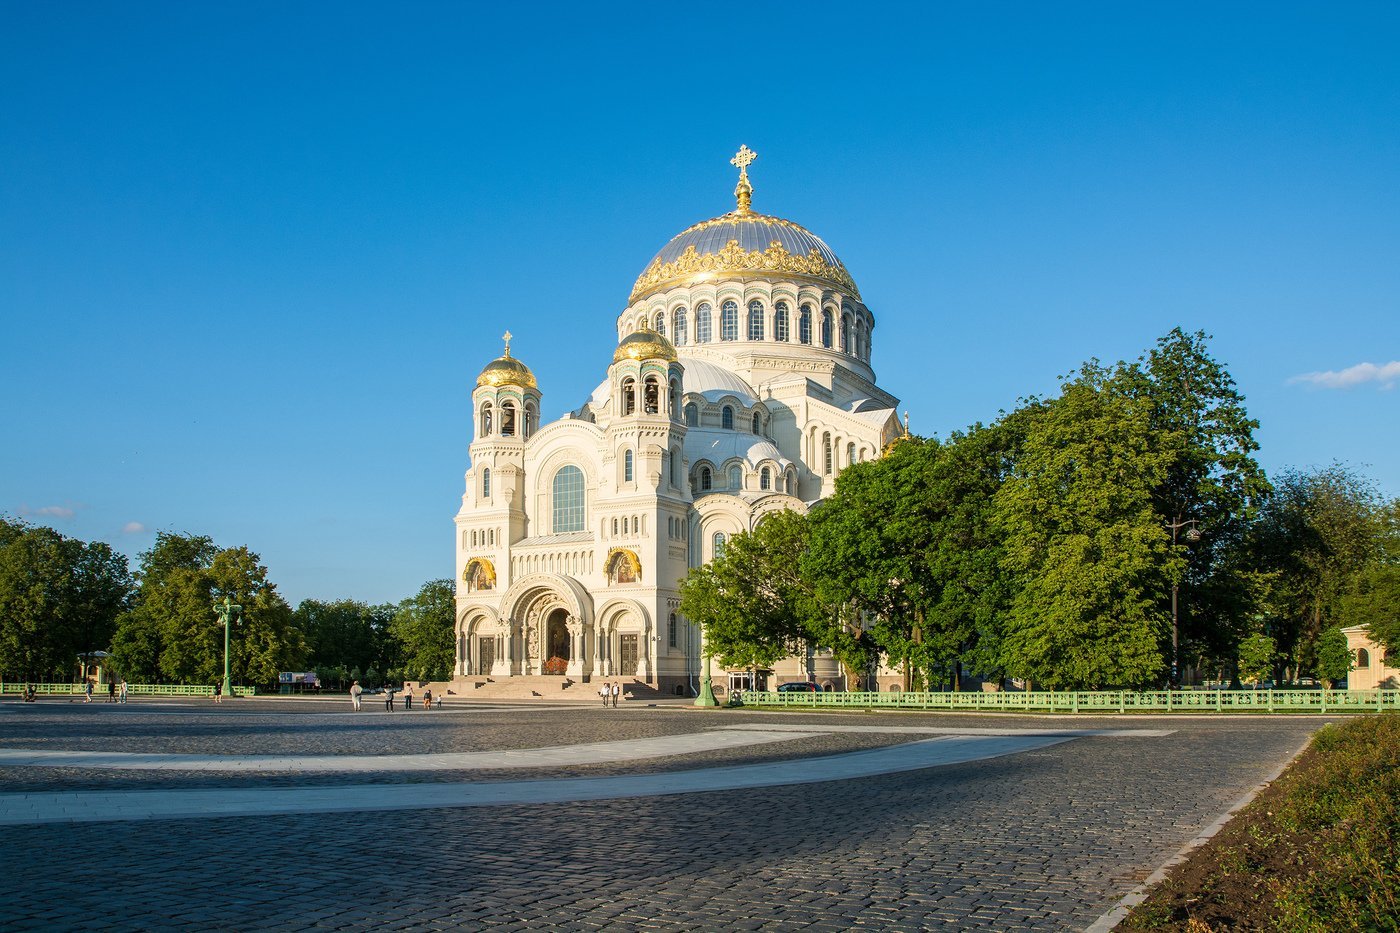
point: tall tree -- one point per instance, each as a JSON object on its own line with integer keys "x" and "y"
{"x": 341, "y": 635}
{"x": 1084, "y": 542}
{"x": 423, "y": 627}
{"x": 1373, "y": 597}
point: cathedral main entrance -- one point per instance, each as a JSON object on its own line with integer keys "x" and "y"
{"x": 557, "y": 642}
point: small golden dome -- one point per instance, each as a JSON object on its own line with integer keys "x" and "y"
{"x": 644, "y": 344}
{"x": 506, "y": 370}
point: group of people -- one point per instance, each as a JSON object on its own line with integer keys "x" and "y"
{"x": 112, "y": 692}
{"x": 356, "y": 692}
{"x": 611, "y": 692}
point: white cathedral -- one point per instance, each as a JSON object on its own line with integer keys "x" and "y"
{"x": 741, "y": 384}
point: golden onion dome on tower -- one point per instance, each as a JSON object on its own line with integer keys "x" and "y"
{"x": 506, "y": 370}
{"x": 644, "y": 344}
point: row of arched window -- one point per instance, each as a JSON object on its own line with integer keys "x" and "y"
{"x": 767, "y": 479}
{"x": 653, "y": 400}
{"x": 624, "y": 526}
{"x": 485, "y": 537}
{"x": 832, "y": 458}
{"x": 757, "y": 423}
{"x": 849, "y": 333}
{"x": 677, "y": 528}
{"x": 505, "y": 420}
{"x": 572, "y": 563}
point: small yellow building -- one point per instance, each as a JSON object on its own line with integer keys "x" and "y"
{"x": 1372, "y": 665}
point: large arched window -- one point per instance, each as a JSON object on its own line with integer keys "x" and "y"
{"x": 568, "y": 500}
{"x": 726, "y": 418}
{"x": 757, "y": 423}
{"x": 702, "y": 323}
{"x": 678, "y": 334}
{"x": 736, "y": 478}
{"x": 508, "y": 420}
{"x": 629, "y": 395}
{"x": 707, "y": 479}
{"x": 780, "y": 322}
{"x": 804, "y": 325}
{"x": 660, "y": 326}
{"x": 755, "y": 320}
{"x": 692, "y": 415}
{"x": 627, "y": 466}
{"x": 485, "y": 482}
{"x": 729, "y": 321}
{"x": 826, "y": 329}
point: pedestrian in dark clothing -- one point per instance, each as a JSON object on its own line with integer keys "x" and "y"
{"x": 388, "y": 699}
{"x": 111, "y": 691}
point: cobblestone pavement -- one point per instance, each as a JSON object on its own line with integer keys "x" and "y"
{"x": 1043, "y": 840}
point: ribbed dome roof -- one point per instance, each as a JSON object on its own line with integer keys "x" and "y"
{"x": 743, "y": 242}
{"x": 644, "y": 344}
{"x": 506, "y": 370}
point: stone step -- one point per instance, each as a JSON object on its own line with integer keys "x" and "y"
{"x": 544, "y": 687}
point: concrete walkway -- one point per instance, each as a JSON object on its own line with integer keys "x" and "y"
{"x": 203, "y": 803}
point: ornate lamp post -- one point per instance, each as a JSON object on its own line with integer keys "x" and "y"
{"x": 1192, "y": 535}
{"x": 227, "y": 611}
{"x": 707, "y": 690}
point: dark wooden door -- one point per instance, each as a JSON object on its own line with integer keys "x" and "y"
{"x": 485, "y": 654}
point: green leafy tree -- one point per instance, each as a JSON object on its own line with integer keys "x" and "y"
{"x": 423, "y": 630}
{"x": 1258, "y": 654}
{"x": 1333, "y": 656}
{"x": 344, "y": 636}
{"x": 173, "y": 624}
{"x": 59, "y": 599}
{"x": 1085, "y": 543}
{"x": 1373, "y": 598}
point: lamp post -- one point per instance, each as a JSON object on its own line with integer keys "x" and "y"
{"x": 227, "y": 611}
{"x": 1192, "y": 535}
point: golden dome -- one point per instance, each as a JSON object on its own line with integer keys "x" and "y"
{"x": 644, "y": 344}
{"x": 506, "y": 370}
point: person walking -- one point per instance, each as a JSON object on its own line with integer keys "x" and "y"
{"x": 407, "y": 695}
{"x": 616, "y": 693}
{"x": 605, "y": 691}
{"x": 121, "y": 695}
{"x": 388, "y": 698}
{"x": 218, "y": 691}
{"x": 111, "y": 691}
{"x": 427, "y": 700}
{"x": 87, "y": 691}
{"x": 355, "y": 692}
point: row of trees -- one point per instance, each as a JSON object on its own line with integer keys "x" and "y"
{"x": 62, "y": 599}
{"x": 1041, "y": 547}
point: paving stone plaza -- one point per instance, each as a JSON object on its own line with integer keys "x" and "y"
{"x": 268, "y": 814}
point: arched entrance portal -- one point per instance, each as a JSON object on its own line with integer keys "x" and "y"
{"x": 558, "y": 642}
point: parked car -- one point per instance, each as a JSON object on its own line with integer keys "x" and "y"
{"x": 799, "y": 686}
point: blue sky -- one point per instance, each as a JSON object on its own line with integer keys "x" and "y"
{"x": 254, "y": 254}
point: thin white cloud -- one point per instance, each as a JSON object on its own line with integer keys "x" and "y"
{"x": 48, "y": 511}
{"x": 133, "y": 528}
{"x": 1384, "y": 375}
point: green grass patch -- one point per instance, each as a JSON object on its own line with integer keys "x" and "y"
{"x": 1319, "y": 850}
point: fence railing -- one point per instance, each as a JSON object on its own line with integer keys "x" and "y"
{"x": 100, "y": 692}
{"x": 1157, "y": 701}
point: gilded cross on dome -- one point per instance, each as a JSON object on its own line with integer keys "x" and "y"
{"x": 743, "y": 191}
{"x": 506, "y": 338}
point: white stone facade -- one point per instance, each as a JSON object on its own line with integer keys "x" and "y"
{"x": 573, "y": 537}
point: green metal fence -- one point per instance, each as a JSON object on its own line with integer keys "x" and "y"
{"x": 1156, "y": 701}
{"x": 100, "y": 691}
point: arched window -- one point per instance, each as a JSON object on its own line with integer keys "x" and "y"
{"x": 719, "y": 542}
{"x": 804, "y": 325}
{"x": 614, "y": 534}
{"x": 673, "y": 404}
{"x": 729, "y": 321}
{"x": 678, "y": 335}
{"x": 629, "y": 395}
{"x": 765, "y": 479}
{"x": 706, "y": 479}
{"x": 473, "y": 539}
{"x": 702, "y": 323}
{"x": 692, "y": 415}
{"x": 826, "y": 453}
{"x": 826, "y": 329}
{"x": 1363, "y": 658}
{"x": 671, "y": 631}
{"x": 780, "y": 322}
{"x": 850, "y": 454}
{"x": 568, "y": 500}
{"x": 486, "y": 420}
{"x": 485, "y": 482}
{"x": 757, "y": 423}
{"x": 627, "y": 466}
{"x": 736, "y": 478}
{"x": 508, "y": 420}
{"x": 675, "y": 468}
{"x": 846, "y": 334}
{"x": 726, "y": 418}
{"x": 660, "y": 326}
{"x": 532, "y": 418}
{"x": 651, "y": 399}
{"x": 755, "y": 320}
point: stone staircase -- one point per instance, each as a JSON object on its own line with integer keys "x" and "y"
{"x": 549, "y": 688}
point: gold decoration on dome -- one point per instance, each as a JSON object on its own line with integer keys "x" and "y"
{"x": 644, "y": 344}
{"x": 743, "y": 192}
{"x": 506, "y": 370}
{"x": 734, "y": 258}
